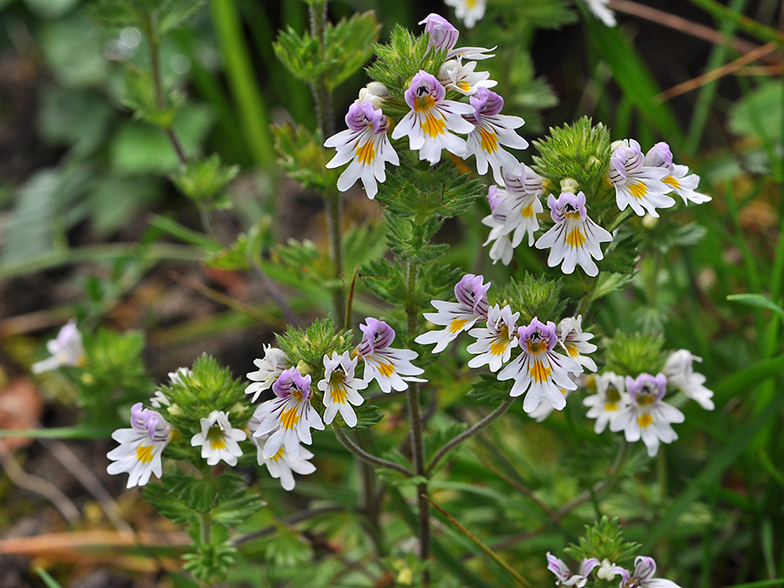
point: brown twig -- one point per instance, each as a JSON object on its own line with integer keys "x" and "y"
{"x": 683, "y": 25}
{"x": 717, "y": 73}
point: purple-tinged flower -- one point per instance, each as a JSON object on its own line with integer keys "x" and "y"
{"x": 521, "y": 203}
{"x": 680, "y": 374}
{"x": 270, "y": 368}
{"x": 289, "y": 416}
{"x": 644, "y": 570}
{"x": 66, "y": 349}
{"x": 469, "y": 11}
{"x": 495, "y": 341}
{"x": 636, "y": 184}
{"x": 502, "y": 244}
{"x": 458, "y": 316}
{"x": 139, "y": 453}
{"x": 575, "y": 342}
{"x": 540, "y": 368}
{"x": 431, "y": 118}
{"x": 565, "y": 575}
{"x": 609, "y": 401}
{"x": 366, "y": 145}
{"x": 679, "y": 179}
{"x": 492, "y": 130}
{"x": 575, "y": 238}
{"x": 280, "y": 466}
{"x": 390, "y": 367}
{"x": 647, "y": 417}
{"x": 443, "y": 34}
{"x": 341, "y": 388}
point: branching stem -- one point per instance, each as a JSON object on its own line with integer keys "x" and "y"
{"x": 369, "y": 457}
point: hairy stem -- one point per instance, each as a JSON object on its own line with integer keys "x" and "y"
{"x": 417, "y": 441}
{"x": 369, "y": 457}
{"x": 468, "y": 433}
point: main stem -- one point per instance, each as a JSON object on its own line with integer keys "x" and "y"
{"x": 417, "y": 442}
{"x": 326, "y": 121}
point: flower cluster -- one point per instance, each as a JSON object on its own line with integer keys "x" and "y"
{"x": 636, "y": 406}
{"x": 642, "y": 577}
{"x": 639, "y": 181}
{"x": 540, "y": 371}
{"x": 433, "y": 122}
{"x": 279, "y": 426}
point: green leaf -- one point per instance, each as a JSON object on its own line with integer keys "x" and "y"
{"x": 367, "y": 416}
{"x": 170, "y": 506}
{"x": 610, "y": 282}
{"x": 348, "y": 45}
{"x": 47, "y": 579}
{"x": 174, "y": 13}
{"x": 204, "y": 181}
{"x": 74, "y": 49}
{"x": 304, "y": 158}
{"x": 238, "y": 508}
{"x": 757, "y": 301}
{"x": 489, "y": 390}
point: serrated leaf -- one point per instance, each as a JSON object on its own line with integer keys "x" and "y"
{"x": 168, "y": 505}
{"x": 349, "y": 45}
{"x": 489, "y": 390}
{"x": 610, "y": 282}
{"x": 367, "y": 416}
{"x": 440, "y": 437}
{"x": 304, "y": 158}
{"x": 237, "y": 509}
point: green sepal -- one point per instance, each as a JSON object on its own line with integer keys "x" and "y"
{"x": 604, "y": 540}
{"x": 535, "y": 297}
{"x": 306, "y": 348}
{"x": 347, "y": 49}
{"x": 303, "y": 156}
{"x": 632, "y": 355}
{"x": 204, "y": 181}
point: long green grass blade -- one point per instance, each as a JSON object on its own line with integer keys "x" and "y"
{"x": 749, "y": 25}
{"x": 632, "y": 75}
{"x": 47, "y": 579}
{"x": 242, "y": 81}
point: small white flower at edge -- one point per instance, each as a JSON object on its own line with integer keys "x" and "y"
{"x": 636, "y": 184}
{"x": 280, "y": 466}
{"x": 218, "y": 439}
{"x": 340, "y": 388}
{"x": 139, "y": 453}
{"x": 270, "y": 368}
{"x": 680, "y": 374}
{"x": 609, "y": 401}
{"x": 66, "y": 349}
{"x": 565, "y": 575}
{"x": 469, "y": 11}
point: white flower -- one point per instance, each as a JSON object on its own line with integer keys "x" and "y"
{"x": 520, "y": 203}
{"x": 679, "y": 179}
{"x": 680, "y": 375}
{"x": 159, "y": 400}
{"x": 458, "y": 316}
{"x": 493, "y": 129}
{"x": 431, "y": 118}
{"x": 366, "y": 145}
{"x": 600, "y": 10}
{"x": 495, "y": 341}
{"x": 270, "y": 368}
{"x": 340, "y": 388}
{"x": 644, "y": 570}
{"x": 636, "y": 184}
{"x": 289, "y": 416}
{"x": 502, "y": 244}
{"x": 456, "y": 75}
{"x": 572, "y": 338}
{"x": 175, "y": 377}
{"x": 218, "y": 439}
{"x": 540, "y": 368}
{"x": 280, "y": 466}
{"x": 66, "y": 349}
{"x": 541, "y": 412}
{"x": 646, "y": 416}
{"x": 605, "y": 571}
{"x": 390, "y": 367}
{"x": 575, "y": 238}
{"x": 469, "y": 11}
{"x": 609, "y": 401}
{"x": 564, "y": 574}
{"x": 139, "y": 453}
{"x": 443, "y": 35}
{"x": 375, "y": 93}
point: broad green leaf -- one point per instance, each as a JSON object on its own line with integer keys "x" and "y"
{"x": 367, "y": 416}
{"x": 758, "y": 113}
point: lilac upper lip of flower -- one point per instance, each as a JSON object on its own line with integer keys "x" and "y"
{"x": 291, "y": 378}
{"x": 485, "y": 103}
{"x": 547, "y": 332}
{"x": 558, "y": 205}
{"x": 362, "y": 114}
{"x": 471, "y": 292}
{"x": 443, "y": 35}
{"x": 424, "y": 84}
{"x": 657, "y": 384}
{"x": 378, "y": 335}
